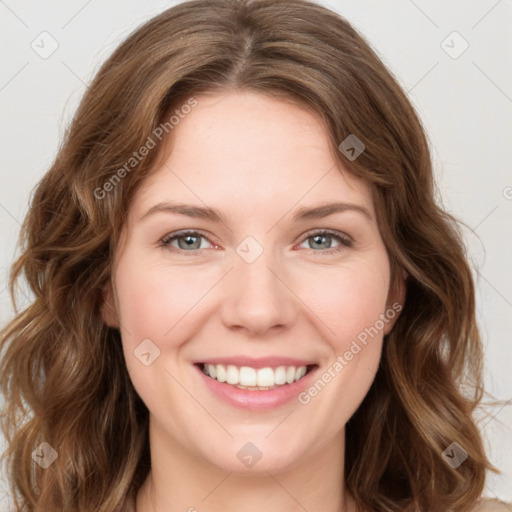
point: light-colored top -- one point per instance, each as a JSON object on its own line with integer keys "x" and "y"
{"x": 492, "y": 505}
{"x": 485, "y": 505}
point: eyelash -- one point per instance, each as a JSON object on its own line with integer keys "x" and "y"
{"x": 345, "y": 241}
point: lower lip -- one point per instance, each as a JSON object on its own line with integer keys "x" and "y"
{"x": 257, "y": 400}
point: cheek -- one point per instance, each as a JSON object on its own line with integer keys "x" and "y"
{"x": 349, "y": 299}
{"x": 157, "y": 303}
{"x": 352, "y": 306}
{"x": 154, "y": 299}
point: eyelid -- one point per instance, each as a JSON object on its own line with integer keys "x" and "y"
{"x": 330, "y": 232}
{"x": 345, "y": 241}
{"x": 165, "y": 241}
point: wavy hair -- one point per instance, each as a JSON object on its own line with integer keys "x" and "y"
{"x": 63, "y": 373}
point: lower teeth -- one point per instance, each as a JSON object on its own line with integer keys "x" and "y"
{"x": 255, "y": 388}
{"x": 250, "y": 388}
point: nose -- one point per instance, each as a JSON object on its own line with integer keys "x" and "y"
{"x": 257, "y": 298}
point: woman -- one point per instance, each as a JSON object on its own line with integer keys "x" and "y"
{"x": 245, "y": 293}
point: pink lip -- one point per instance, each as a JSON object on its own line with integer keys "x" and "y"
{"x": 257, "y": 400}
{"x": 261, "y": 362}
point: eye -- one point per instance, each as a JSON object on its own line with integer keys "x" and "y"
{"x": 191, "y": 241}
{"x": 187, "y": 241}
{"x": 322, "y": 239}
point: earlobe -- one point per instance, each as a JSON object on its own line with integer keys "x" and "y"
{"x": 108, "y": 307}
{"x": 396, "y": 300}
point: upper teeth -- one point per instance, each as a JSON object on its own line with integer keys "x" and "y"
{"x": 247, "y": 376}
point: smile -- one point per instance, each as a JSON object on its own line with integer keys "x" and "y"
{"x": 255, "y": 379}
{"x": 256, "y": 384}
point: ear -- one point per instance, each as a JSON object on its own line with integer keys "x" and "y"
{"x": 396, "y": 300}
{"x": 108, "y": 306}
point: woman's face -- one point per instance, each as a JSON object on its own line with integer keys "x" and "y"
{"x": 252, "y": 290}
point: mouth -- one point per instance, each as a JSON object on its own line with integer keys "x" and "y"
{"x": 256, "y": 379}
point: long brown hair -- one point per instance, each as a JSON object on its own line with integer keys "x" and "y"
{"x": 63, "y": 373}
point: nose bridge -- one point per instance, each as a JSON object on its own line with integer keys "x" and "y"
{"x": 257, "y": 298}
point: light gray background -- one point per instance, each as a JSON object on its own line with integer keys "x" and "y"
{"x": 465, "y": 104}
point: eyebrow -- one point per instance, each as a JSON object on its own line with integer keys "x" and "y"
{"x": 324, "y": 210}
{"x": 214, "y": 215}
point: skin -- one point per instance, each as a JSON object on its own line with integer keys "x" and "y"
{"x": 243, "y": 152}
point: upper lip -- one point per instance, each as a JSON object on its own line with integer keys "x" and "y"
{"x": 257, "y": 362}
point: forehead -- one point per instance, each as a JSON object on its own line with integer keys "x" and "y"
{"x": 249, "y": 151}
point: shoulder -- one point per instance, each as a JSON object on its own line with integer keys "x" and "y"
{"x": 492, "y": 505}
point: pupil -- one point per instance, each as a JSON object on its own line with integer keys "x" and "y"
{"x": 319, "y": 237}
{"x": 189, "y": 241}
